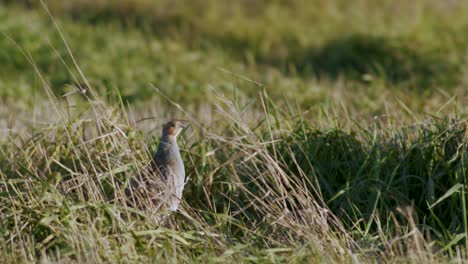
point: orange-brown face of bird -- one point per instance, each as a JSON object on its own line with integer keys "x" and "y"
{"x": 174, "y": 127}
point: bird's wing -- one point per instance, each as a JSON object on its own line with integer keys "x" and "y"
{"x": 150, "y": 183}
{"x": 159, "y": 166}
{"x": 145, "y": 186}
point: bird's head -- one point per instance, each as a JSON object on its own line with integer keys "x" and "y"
{"x": 174, "y": 128}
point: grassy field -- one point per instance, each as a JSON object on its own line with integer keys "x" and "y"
{"x": 322, "y": 131}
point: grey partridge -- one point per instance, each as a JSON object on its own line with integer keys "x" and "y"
{"x": 161, "y": 183}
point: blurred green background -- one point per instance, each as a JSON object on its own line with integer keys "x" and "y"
{"x": 307, "y": 51}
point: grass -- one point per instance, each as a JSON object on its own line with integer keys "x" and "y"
{"x": 333, "y": 143}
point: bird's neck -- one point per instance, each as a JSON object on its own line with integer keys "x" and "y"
{"x": 168, "y": 146}
{"x": 168, "y": 140}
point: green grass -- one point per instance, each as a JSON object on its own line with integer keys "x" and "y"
{"x": 322, "y": 131}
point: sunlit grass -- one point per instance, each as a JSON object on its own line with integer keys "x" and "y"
{"x": 308, "y": 144}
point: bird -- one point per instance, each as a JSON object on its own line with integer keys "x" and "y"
{"x": 159, "y": 186}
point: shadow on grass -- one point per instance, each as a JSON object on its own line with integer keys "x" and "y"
{"x": 419, "y": 164}
{"x": 362, "y": 57}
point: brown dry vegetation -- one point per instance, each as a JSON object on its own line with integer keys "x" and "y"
{"x": 323, "y": 131}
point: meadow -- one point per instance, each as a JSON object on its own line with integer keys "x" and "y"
{"x": 322, "y": 131}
